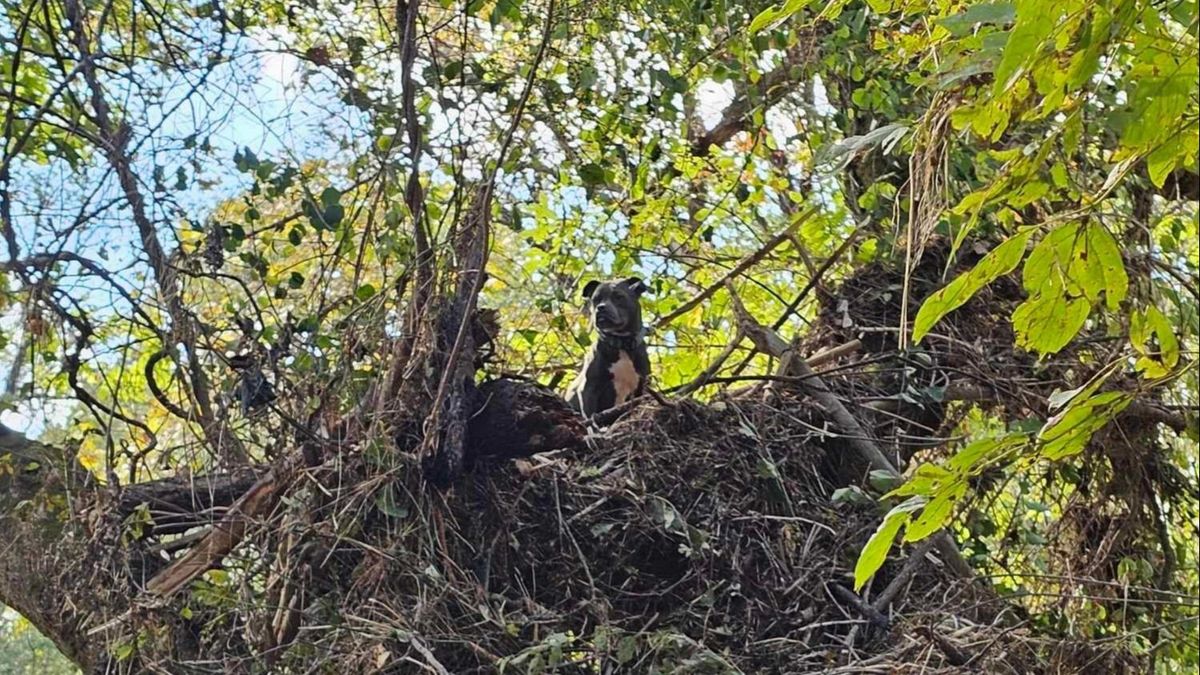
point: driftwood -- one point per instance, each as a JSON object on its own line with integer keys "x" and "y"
{"x": 227, "y": 533}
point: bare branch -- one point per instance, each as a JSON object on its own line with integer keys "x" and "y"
{"x": 738, "y": 269}
{"x": 115, "y": 139}
{"x": 226, "y": 534}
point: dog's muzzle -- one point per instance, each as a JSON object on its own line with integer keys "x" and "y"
{"x": 608, "y": 319}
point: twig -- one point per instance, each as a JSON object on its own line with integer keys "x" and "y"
{"x": 713, "y": 367}
{"x": 890, "y": 592}
{"x": 811, "y": 284}
{"x": 738, "y": 269}
{"x": 424, "y": 651}
{"x": 834, "y": 353}
{"x": 816, "y": 360}
{"x": 816, "y": 278}
{"x": 954, "y": 655}
{"x": 873, "y": 615}
{"x": 859, "y": 440}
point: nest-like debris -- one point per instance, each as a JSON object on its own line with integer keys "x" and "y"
{"x": 683, "y": 538}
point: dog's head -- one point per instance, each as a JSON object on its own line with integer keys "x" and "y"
{"x": 613, "y": 306}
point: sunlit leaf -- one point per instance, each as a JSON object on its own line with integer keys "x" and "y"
{"x": 875, "y": 552}
{"x": 1068, "y": 432}
{"x": 1046, "y": 323}
{"x": 1000, "y": 261}
{"x": 775, "y": 15}
{"x": 1153, "y": 362}
{"x": 936, "y": 514}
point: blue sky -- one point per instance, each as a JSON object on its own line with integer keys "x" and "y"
{"x": 268, "y": 111}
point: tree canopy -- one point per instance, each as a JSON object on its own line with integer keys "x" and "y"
{"x": 261, "y": 258}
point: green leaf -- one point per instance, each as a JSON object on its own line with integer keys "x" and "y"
{"x": 1049, "y": 266}
{"x": 314, "y": 215}
{"x": 877, "y": 547}
{"x": 245, "y": 160}
{"x": 925, "y": 481}
{"x": 333, "y": 215}
{"x": 1000, "y": 261}
{"x": 838, "y": 155}
{"x": 365, "y": 292}
{"x": 587, "y": 76}
{"x": 1060, "y": 398}
{"x": 1035, "y": 21}
{"x": 123, "y": 651}
{"x": 775, "y": 15}
{"x": 936, "y": 513}
{"x": 1045, "y": 324}
{"x": 1153, "y": 363}
{"x": 1160, "y": 163}
{"x": 1106, "y": 265}
{"x": 1068, "y": 432}
{"x": 330, "y": 196}
{"x": 1069, "y": 271}
{"x": 851, "y": 494}
{"x": 385, "y": 501}
{"x": 883, "y": 481}
{"x": 591, "y": 174}
{"x": 964, "y": 22}
{"x": 1033, "y": 538}
{"x": 973, "y": 458}
{"x": 264, "y": 169}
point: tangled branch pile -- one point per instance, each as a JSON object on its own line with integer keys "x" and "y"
{"x": 685, "y": 537}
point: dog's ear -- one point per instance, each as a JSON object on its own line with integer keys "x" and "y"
{"x": 589, "y": 288}
{"x": 636, "y": 285}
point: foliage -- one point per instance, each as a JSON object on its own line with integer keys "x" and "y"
{"x": 24, "y": 651}
{"x": 275, "y": 149}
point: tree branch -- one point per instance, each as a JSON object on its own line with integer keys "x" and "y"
{"x": 474, "y": 248}
{"x": 227, "y": 533}
{"x": 115, "y": 139}
{"x": 855, "y": 435}
{"x": 770, "y": 89}
{"x": 747, "y": 262}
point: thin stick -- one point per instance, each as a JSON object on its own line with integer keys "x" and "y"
{"x": 816, "y": 278}
{"x": 910, "y": 568}
{"x": 859, "y": 440}
{"x": 711, "y": 371}
{"x": 834, "y": 353}
{"x": 737, "y": 270}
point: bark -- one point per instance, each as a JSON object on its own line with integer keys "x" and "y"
{"x": 35, "y": 526}
{"x": 69, "y": 564}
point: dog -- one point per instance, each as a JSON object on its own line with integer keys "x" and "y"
{"x": 617, "y": 366}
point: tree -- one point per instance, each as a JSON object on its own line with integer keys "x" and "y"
{"x": 303, "y": 277}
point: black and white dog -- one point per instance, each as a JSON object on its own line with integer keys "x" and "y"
{"x": 616, "y": 366}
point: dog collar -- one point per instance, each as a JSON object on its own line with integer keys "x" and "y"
{"x": 625, "y": 342}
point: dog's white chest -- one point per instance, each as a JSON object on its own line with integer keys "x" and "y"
{"x": 624, "y": 376}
